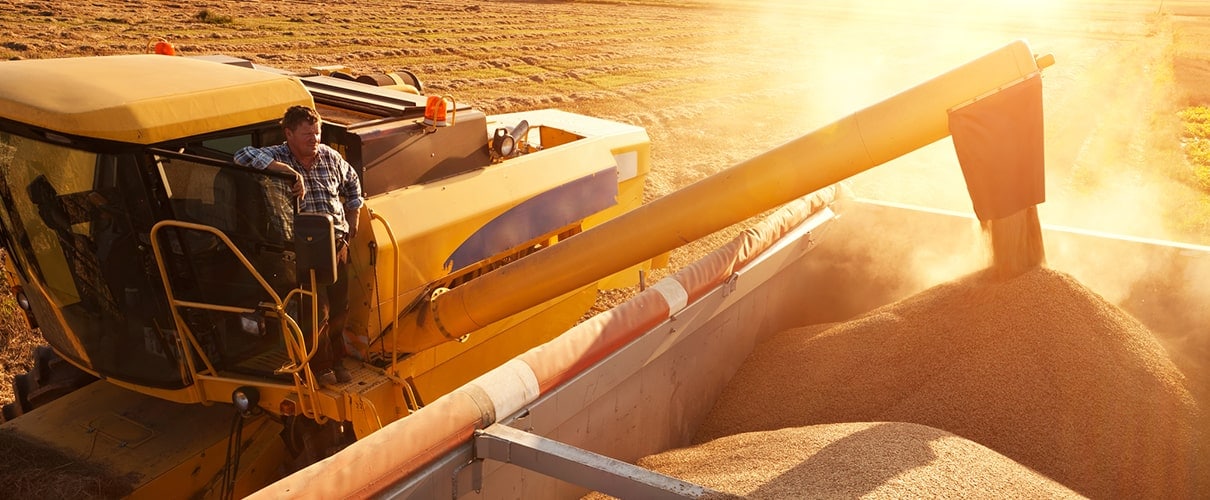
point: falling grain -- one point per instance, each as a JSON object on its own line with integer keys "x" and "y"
{"x": 1015, "y": 243}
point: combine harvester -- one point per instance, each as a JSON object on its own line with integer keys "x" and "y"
{"x": 490, "y": 237}
{"x": 572, "y": 415}
{"x": 150, "y": 260}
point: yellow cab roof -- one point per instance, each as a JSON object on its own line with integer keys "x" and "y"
{"x": 142, "y": 99}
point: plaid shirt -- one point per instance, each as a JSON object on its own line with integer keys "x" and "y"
{"x": 329, "y": 179}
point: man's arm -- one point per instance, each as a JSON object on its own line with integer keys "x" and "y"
{"x": 350, "y": 189}
{"x": 354, "y": 218}
{"x": 262, "y": 159}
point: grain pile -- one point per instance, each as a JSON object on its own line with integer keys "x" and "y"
{"x": 871, "y": 460}
{"x": 1037, "y": 368}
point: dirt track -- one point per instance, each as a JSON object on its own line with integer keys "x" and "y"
{"x": 718, "y": 82}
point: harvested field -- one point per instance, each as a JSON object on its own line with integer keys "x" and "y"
{"x": 17, "y": 342}
{"x": 1038, "y": 369}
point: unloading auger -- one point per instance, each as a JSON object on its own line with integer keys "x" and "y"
{"x": 875, "y": 135}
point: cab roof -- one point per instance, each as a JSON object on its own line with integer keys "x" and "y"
{"x": 142, "y": 99}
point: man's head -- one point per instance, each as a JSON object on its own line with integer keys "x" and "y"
{"x": 301, "y": 125}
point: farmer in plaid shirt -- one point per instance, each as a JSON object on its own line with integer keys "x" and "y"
{"x": 324, "y": 183}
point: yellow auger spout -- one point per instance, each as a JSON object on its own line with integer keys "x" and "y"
{"x": 889, "y": 129}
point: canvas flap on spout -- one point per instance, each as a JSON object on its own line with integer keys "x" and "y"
{"x": 999, "y": 141}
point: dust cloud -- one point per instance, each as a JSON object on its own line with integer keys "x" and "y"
{"x": 1112, "y": 137}
{"x": 1120, "y": 210}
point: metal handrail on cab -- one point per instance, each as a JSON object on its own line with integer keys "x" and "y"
{"x": 292, "y": 334}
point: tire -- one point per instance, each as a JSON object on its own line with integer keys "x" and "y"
{"x": 10, "y": 411}
{"x": 51, "y": 378}
{"x": 21, "y": 392}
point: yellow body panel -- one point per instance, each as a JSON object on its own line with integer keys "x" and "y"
{"x": 416, "y": 229}
{"x": 177, "y": 96}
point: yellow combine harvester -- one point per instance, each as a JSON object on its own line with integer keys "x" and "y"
{"x": 150, "y": 260}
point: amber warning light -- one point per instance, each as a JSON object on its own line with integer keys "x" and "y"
{"x": 435, "y": 111}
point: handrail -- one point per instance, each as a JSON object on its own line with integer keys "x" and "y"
{"x": 292, "y": 333}
{"x": 394, "y": 292}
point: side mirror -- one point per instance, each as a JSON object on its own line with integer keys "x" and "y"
{"x": 315, "y": 247}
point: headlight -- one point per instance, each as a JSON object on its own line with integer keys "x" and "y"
{"x": 245, "y": 398}
{"x": 503, "y": 144}
{"x": 22, "y": 300}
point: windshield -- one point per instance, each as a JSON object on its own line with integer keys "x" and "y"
{"x": 73, "y": 221}
{"x": 79, "y": 226}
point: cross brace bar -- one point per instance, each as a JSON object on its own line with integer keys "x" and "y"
{"x": 581, "y": 467}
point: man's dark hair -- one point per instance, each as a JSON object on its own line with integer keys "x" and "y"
{"x": 298, "y": 115}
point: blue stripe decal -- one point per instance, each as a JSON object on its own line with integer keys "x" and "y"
{"x": 539, "y": 215}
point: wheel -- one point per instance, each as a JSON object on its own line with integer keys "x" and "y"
{"x": 51, "y": 378}
{"x": 43, "y": 357}
{"x": 21, "y": 392}
{"x": 10, "y": 411}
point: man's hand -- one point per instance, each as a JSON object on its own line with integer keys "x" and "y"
{"x": 299, "y": 188}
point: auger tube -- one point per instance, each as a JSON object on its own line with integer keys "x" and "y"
{"x": 884, "y": 131}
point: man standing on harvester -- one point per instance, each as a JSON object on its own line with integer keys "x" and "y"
{"x": 322, "y": 179}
